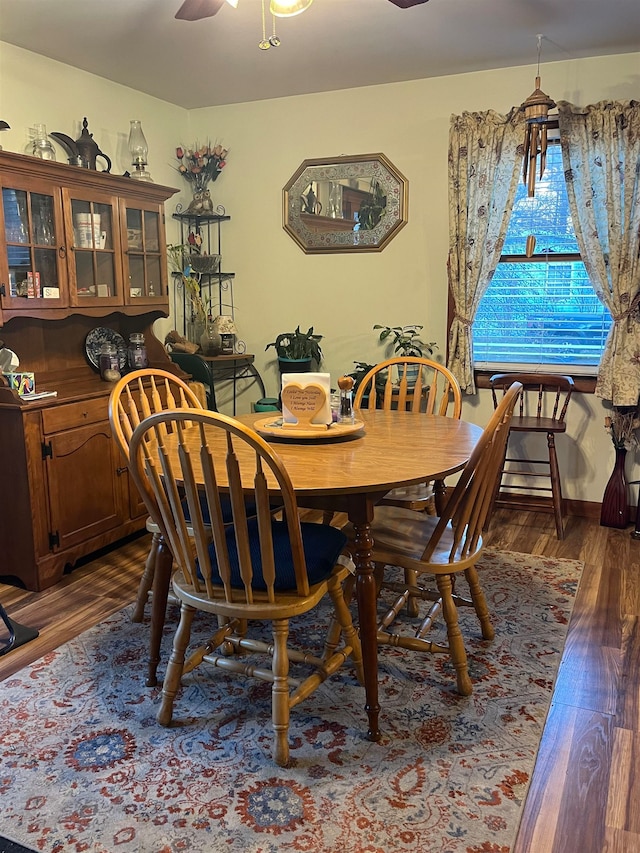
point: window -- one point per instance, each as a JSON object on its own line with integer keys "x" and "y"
{"x": 541, "y": 310}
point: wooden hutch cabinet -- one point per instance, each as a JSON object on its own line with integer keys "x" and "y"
{"x": 79, "y": 249}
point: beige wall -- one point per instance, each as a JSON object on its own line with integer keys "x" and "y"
{"x": 277, "y": 286}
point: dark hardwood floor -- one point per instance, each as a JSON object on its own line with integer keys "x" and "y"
{"x": 587, "y": 776}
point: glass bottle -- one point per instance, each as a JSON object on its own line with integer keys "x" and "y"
{"x": 210, "y": 340}
{"x": 42, "y": 147}
{"x": 137, "y": 351}
{"x": 109, "y": 365}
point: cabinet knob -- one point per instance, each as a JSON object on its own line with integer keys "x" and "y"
{"x": 121, "y": 471}
{"x": 62, "y": 251}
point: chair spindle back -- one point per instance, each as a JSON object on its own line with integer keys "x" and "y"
{"x": 473, "y": 496}
{"x": 434, "y": 391}
{"x": 543, "y": 396}
{"x": 172, "y": 453}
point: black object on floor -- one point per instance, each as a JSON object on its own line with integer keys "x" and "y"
{"x": 7, "y": 846}
{"x": 18, "y": 636}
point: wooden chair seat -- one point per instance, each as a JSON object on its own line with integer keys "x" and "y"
{"x": 542, "y": 409}
{"x": 529, "y": 424}
{"x": 256, "y": 569}
{"x": 444, "y": 546}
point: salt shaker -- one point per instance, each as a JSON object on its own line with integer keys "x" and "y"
{"x": 345, "y": 384}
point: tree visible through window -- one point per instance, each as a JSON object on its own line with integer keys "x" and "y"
{"x": 541, "y": 310}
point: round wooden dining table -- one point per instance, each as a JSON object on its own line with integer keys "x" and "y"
{"x": 351, "y": 474}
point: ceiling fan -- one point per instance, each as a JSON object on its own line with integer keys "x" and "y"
{"x": 195, "y": 10}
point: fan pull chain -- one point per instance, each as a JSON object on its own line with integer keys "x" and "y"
{"x": 273, "y": 40}
{"x": 264, "y": 44}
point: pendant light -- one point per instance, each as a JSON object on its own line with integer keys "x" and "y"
{"x": 536, "y": 115}
{"x": 288, "y": 8}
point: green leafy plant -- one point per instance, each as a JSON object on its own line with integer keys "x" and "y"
{"x": 298, "y": 345}
{"x": 372, "y": 208}
{"x": 406, "y": 340}
{"x": 361, "y": 370}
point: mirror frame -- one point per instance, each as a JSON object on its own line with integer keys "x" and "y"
{"x": 377, "y": 166}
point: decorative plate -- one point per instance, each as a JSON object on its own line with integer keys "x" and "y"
{"x": 272, "y": 427}
{"x": 93, "y": 344}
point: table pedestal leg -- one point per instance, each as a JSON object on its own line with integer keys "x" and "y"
{"x": 366, "y": 596}
{"x": 161, "y": 581}
{"x": 440, "y": 495}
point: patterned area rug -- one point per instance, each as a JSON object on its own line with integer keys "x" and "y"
{"x": 85, "y": 767}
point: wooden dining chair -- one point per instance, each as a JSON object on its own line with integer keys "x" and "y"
{"x": 418, "y": 385}
{"x": 444, "y": 546}
{"x": 133, "y": 398}
{"x": 543, "y": 409}
{"x": 257, "y": 569}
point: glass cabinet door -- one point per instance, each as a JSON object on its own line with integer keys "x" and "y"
{"x": 35, "y": 252}
{"x": 146, "y": 276}
{"x": 95, "y": 277}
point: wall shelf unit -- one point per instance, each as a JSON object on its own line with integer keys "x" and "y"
{"x": 204, "y": 232}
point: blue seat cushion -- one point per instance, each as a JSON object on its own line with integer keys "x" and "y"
{"x": 225, "y": 506}
{"x": 322, "y": 547}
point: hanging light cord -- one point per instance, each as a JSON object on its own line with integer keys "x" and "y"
{"x": 539, "y": 37}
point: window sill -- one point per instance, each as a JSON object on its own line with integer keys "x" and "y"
{"x": 583, "y": 384}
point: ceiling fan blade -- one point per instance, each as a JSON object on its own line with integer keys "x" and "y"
{"x": 195, "y": 10}
{"x": 406, "y": 4}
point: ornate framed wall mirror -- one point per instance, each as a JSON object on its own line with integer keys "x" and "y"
{"x": 345, "y": 204}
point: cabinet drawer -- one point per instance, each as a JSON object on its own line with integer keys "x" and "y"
{"x": 71, "y": 415}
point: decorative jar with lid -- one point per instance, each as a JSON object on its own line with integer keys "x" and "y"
{"x": 109, "y": 365}
{"x": 137, "y": 352}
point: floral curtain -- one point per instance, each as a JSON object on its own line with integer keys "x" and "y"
{"x": 484, "y": 162}
{"x": 601, "y": 156}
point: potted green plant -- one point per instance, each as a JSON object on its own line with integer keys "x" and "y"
{"x": 297, "y": 350}
{"x": 361, "y": 370}
{"x": 406, "y": 340}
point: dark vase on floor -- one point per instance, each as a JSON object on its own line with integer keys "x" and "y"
{"x": 615, "y": 501}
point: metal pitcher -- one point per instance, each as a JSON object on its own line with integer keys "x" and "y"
{"x": 88, "y": 150}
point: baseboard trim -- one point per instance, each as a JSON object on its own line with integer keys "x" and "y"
{"x": 580, "y": 509}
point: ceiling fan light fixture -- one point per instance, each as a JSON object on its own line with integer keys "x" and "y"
{"x": 288, "y": 8}
{"x": 233, "y": 3}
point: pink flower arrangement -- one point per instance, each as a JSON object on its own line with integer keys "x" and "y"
{"x": 201, "y": 164}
